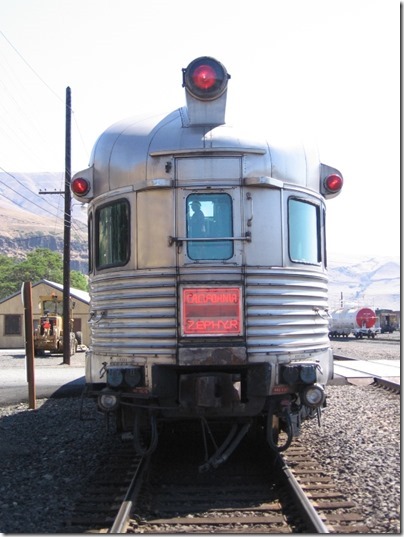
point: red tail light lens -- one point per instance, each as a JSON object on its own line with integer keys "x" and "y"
{"x": 205, "y": 78}
{"x": 80, "y": 186}
{"x": 333, "y": 183}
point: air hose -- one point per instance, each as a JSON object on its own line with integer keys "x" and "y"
{"x": 139, "y": 448}
{"x": 289, "y": 431}
{"x": 226, "y": 449}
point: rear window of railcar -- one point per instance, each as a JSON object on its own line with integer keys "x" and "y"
{"x": 304, "y": 232}
{"x": 112, "y": 235}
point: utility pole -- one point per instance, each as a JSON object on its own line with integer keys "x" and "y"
{"x": 67, "y": 224}
{"x": 67, "y": 227}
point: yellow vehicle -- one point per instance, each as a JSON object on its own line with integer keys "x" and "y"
{"x": 48, "y": 335}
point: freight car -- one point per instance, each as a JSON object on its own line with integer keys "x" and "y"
{"x": 389, "y": 320}
{"x": 208, "y": 276}
{"x": 361, "y": 322}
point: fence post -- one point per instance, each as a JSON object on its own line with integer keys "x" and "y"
{"x": 29, "y": 344}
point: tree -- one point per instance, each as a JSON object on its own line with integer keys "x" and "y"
{"x": 40, "y": 264}
{"x": 78, "y": 280}
{"x": 7, "y": 283}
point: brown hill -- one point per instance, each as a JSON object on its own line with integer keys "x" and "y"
{"x": 30, "y": 220}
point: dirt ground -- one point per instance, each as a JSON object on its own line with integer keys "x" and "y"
{"x": 382, "y": 347}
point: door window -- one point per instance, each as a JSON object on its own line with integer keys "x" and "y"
{"x": 209, "y": 219}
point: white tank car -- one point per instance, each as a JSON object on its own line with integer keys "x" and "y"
{"x": 208, "y": 275}
{"x": 354, "y": 320}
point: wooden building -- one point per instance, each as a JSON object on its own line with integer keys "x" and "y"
{"x": 12, "y": 333}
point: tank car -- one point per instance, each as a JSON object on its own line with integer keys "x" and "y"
{"x": 353, "y": 320}
{"x": 208, "y": 278}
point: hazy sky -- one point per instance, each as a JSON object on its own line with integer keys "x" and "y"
{"x": 329, "y": 70}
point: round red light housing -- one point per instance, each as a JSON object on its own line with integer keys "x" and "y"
{"x": 333, "y": 183}
{"x": 80, "y": 186}
{"x": 205, "y": 78}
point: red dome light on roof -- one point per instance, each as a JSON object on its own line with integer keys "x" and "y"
{"x": 205, "y": 78}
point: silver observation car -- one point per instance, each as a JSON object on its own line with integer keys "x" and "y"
{"x": 208, "y": 272}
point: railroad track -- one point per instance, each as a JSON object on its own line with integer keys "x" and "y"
{"x": 386, "y": 383}
{"x": 239, "y": 497}
{"x": 384, "y": 339}
{"x": 252, "y": 493}
{"x": 389, "y": 385}
{"x": 289, "y": 494}
{"x": 339, "y": 514}
{"x": 378, "y": 339}
{"x": 107, "y": 492}
{"x": 341, "y": 357}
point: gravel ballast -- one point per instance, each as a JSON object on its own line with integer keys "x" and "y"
{"x": 359, "y": 439}
{"x": 47, "y": 454}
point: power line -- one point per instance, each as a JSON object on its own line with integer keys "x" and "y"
{"x": 46, "y": 85}
{"x": 74, "y": 224}
{"x": 31, "y": 192}
{"x": 19, "y": 182}
{"x": 22, "y": 196}
{"x": 31, "y": 68}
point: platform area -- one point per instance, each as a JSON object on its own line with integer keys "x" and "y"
{"x": 364, "y": 371}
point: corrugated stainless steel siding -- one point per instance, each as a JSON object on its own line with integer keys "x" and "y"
{"x": 134, "y": 313}
{"x": 137, "y": 312}
{"x": 286, "y": 311}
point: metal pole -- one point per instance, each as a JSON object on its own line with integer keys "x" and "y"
{"x": 67, "y": 225}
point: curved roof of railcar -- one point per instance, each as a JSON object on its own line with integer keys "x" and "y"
{"x": 123, "y": 154}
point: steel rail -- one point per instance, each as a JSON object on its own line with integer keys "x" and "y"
{"x": 121, "y": 520}
{"x": 389, "y": 384}
{"x": 340, "y": 357}
{"x": 310, "y": 515}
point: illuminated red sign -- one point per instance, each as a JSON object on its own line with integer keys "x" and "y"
{"x": 211, "y": 311}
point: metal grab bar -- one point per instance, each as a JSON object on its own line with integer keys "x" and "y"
{"x": 250, "y": 219}
{"x": 172, "y": 240}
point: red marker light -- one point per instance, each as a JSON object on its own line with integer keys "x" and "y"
{"x": 205, "y": 78}
{"x": 333, "y": 183}
{"x": 80, "y": 186}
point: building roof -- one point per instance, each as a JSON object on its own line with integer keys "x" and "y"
{"x": 83, "y": 296}
{"x": 76, "y": 293}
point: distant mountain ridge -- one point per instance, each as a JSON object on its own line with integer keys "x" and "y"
{"x": 31, "y": 220}
{"x": 364, "y": 281}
